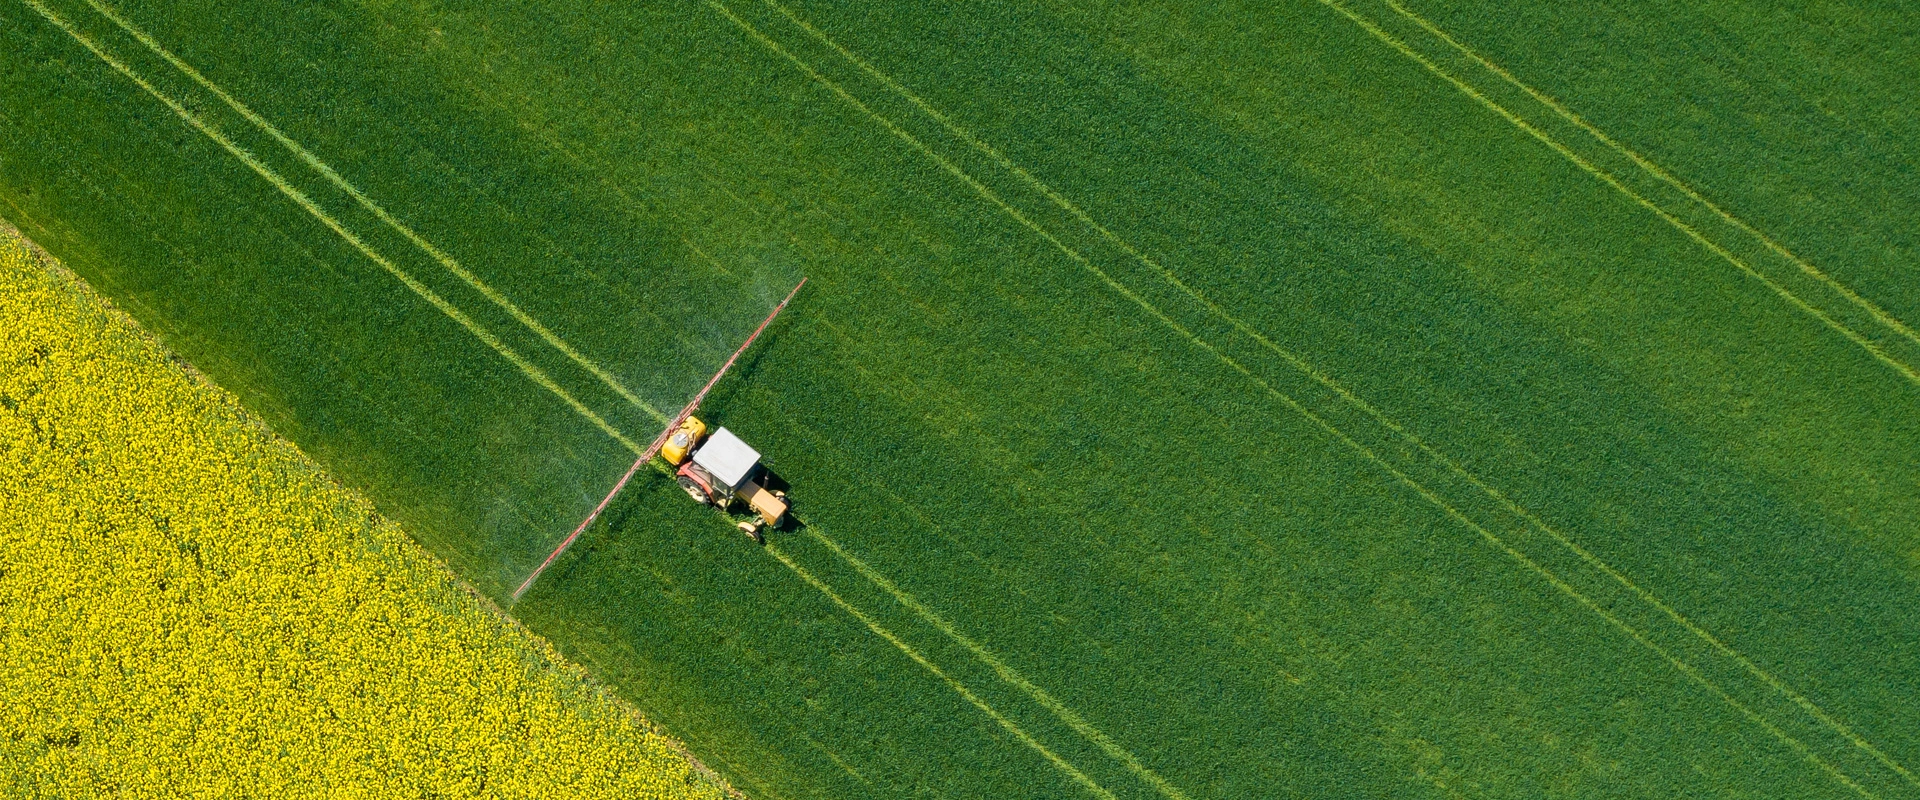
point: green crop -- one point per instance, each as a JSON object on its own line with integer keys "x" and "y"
{"x": 1189, "y": 400}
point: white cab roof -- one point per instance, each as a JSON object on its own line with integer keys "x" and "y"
{"x": 727, "y": 458}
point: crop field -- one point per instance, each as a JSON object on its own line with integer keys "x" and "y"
{"x": 1358, "y": 398}
{"x": 195, "y": 610}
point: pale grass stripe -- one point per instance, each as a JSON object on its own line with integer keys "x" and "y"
{"x": 480, "y": 332}
{"x": 1879, "y": 315}
{"x": 1291, "y": 358}
{"x": 958, "y": 688}
{"x": 552, "y": 339}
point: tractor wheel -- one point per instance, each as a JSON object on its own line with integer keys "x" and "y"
{"x": 695, "y": 491}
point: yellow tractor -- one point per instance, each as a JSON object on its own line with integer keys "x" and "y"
{"x": 720, "y": 470}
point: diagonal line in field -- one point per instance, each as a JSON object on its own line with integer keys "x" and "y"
{"x": 1559, "y": 583}
{"x": 599, "y": 171}
{"x": 1879, "y": 315}
{"x": 1325, "y": 380}
{"x": 304, "y": 202}
{"x": 306, "y": 156}
{"x": 1103, "y": 741}
{"x": 1006, "y": 673}
{"x": 958, "y": 687}
{"x": 299, "y": 198}
{"x": 1608, "y": 178}
{"x": 1797, "y": 698}
{"x": 837, "y": 761}
{"x": 1073, "y": 209}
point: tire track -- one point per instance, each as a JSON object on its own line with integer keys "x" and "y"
{"x": 306, "y": 156}
{"x": 1876, "y": 312}
{"x": 1610, "y": 179}
{"x": 299, "y": 198}
{"x": 959, "y": 688}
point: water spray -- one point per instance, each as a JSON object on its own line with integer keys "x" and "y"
{"x": 658, "y": 441}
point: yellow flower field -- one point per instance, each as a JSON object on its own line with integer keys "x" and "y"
{"x": 189, "y": 607}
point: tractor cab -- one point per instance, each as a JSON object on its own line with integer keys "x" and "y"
{"x": 720, "y": 469}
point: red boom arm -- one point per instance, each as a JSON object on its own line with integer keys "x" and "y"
{"x": 657, "y": 442}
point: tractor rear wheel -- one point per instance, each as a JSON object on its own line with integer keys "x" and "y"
{"x": 695, "y": 491}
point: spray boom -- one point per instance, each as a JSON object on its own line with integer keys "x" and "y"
{"x": 657, "y": 442}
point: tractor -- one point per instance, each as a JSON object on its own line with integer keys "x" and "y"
{"x": 720, "y": 470}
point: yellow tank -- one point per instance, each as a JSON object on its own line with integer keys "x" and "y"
{"x": 683, "y": 440}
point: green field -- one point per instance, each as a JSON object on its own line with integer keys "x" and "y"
{"x": 1193, "y": 401}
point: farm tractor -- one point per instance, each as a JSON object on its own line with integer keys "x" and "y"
{"x": 720, "y": 470}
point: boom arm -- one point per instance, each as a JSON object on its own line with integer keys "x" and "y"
{"x": 657, "y": 442}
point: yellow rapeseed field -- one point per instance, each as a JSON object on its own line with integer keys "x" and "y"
{"x": 189, "y": 607}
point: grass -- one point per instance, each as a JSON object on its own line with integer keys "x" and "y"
{"x": 196, "y": 610}
{"x": 1202, "y": 402}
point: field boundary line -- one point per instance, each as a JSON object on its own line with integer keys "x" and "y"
{"x": 1305, "y": 368}
{"x": 1880, "y": 315}
{"x": 479, "y": 331}
{"x": 313, "y": 161}
{"x": 965, "y": 693}
{"x": 1608, "y": 178}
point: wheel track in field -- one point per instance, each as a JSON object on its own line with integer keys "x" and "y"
{"x": 548, "y": 382}
{"x": 1453, "y": 512}
{"x": 540, "y": 377}
{"x": 1070, "y": 718}
{"x": 553, "y": 340}
{"x": 479, "y": 331}
{"x": 1823, "y": 717}
{"x": 1873, "y": 311}
{"x": 951, "y": 682}
{"x": 1004, "y": 672}
{"x": 313, "y": 161}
